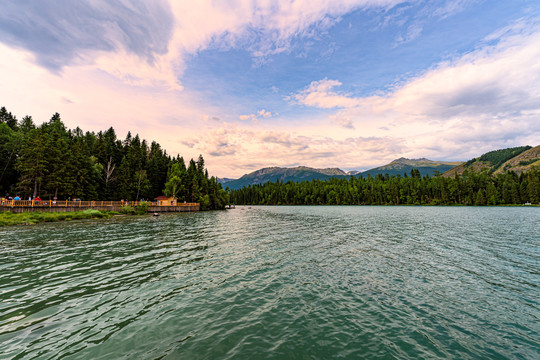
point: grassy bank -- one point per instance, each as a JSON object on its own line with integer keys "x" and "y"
{"x": 8, "y": 218}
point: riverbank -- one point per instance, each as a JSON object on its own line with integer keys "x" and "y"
{"x": 30, "y": 218}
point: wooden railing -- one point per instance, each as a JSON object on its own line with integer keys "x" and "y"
{"x": 81, "y": 204}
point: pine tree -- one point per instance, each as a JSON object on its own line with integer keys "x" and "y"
{"x": 10, "y": 142}
{"x": 533, "y": 187}
{"x": 32, "y": 162}
{"x": 8, "y": 119}
{"x": 60, "y": 179}
{"x": 27, "y": 124}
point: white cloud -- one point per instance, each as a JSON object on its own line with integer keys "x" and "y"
{"x": 452, "y": 7}
{"x": 413, "y": 17}
{"x": 494, "y": 81}
{"x": 413, "y": 31}
{"x": 344, "y": 122}
{"x": 320, "y": 94}
{"x": 242, "y": 149}
{"x": 262, "y": 27}
{"x": 256, "y": 118}
{"x": 462, "y": 107}
{"x": 132, "y": 92}
{"x": 486, "y": 99}
{"x": 148, "y": 44}
{"x": 264, "y": 113}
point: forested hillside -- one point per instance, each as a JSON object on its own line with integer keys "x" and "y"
{"x": 50, "y": 160}
{"x": 404, "y": 166}
{"x": 522, "y": 162}
{"x": 492, "y": 161}
{"x": 472, "y": 188}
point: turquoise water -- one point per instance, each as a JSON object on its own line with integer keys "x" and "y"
{"x": 276, "y": 283}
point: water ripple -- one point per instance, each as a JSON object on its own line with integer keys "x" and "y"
{"x": 276, "y": 282}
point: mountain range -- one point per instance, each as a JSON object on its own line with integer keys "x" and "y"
{"x": 272, "y": 174}
{"x": 518, "y": 159}
{"x": 302, "y": 173}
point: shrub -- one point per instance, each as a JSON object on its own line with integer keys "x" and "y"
{"x": 92, "y": 213}
{"x": 128, "y": 210}
{"x": 142, "y": 208}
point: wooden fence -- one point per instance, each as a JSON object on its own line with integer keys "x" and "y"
{"x": 66, "y": 205}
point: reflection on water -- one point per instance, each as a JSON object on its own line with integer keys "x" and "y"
{"x": 276, "y": 282}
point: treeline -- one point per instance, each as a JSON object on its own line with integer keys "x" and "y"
{"x": 50, "y": 161}
{"x": 498, "y": 157}
{"x": 472, "y": 188}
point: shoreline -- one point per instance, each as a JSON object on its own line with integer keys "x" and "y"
{"x": 32, "y": 218}
{"x": 8, "y": 218}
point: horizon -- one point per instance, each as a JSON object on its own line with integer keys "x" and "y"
{"x": 351, "y": 84}
{"x": 339, "y": 168}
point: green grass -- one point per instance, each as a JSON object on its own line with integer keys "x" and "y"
{"x": 28, "y": 218}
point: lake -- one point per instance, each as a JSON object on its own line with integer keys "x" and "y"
{"x": 284, "y": 282}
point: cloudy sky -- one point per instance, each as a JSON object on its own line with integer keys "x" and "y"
{"x": 249, "y": 84}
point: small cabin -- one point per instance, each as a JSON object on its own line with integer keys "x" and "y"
{"x": 166, "y": 201}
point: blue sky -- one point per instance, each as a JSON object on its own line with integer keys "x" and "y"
{"x": 351, "y": 84}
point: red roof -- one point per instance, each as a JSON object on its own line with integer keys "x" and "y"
{"x": 162, "y": 198}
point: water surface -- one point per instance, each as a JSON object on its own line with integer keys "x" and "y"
{"x": 276, "y": 282}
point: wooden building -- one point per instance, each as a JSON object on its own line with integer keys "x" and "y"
{"x": 166, "y": 201}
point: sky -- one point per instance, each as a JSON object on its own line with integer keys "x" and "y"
{"x": 249, "y": 84}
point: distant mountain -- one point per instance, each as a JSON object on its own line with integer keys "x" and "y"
{"x": 327, "y": 171}
{"x": 404, "y": 166}
{"x": 517, "y": 159}
{"x": 274, "y": 174}
{"x": 302, "y": 173}
{"x": 224, "y": 180}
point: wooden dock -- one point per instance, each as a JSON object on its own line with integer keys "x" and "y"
{"x": 21, "y": 206}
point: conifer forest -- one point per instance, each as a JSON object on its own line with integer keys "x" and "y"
{"x": 472, "y": 188}
{"x": 52, "y": 161}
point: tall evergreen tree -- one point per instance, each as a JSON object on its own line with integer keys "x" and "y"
{"x": 32, "y": 162}
{"x": 8, "y": 119}
{"x": 10, "y": 142}
{"x": 60, "y": 179}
